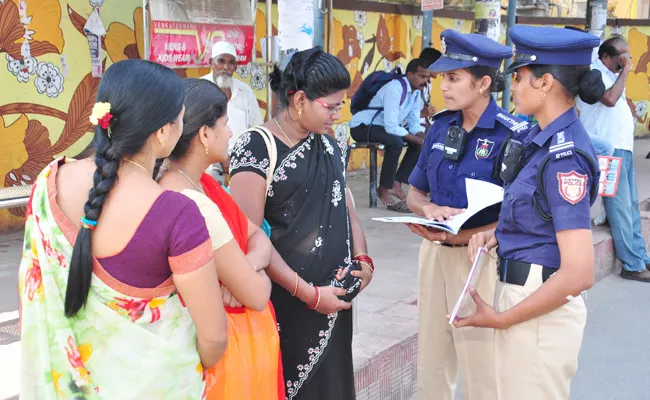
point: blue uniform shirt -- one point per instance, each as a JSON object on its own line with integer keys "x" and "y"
{"x": 445, "y": 179}
{"x": 521, "y": 233}
{"x": 393, "y": 115}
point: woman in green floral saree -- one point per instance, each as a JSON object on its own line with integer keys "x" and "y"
{"x": 119, "y": 293}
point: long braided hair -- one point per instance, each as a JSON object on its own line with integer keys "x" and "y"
{"x": 144, "y": 97}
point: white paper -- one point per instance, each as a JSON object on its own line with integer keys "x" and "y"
{"x": 296, "y": 24}
{"x": 94, "y": 24}
{"x": 275, "y": 50}
{"x": 474, "y": 273}
{"x": 480, "y": 195}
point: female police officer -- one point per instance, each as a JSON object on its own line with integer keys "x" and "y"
{"x": 464, "y": 142}
{"x": 546, "y": 257}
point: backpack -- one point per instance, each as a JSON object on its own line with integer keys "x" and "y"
{"x": 371, "y": 85}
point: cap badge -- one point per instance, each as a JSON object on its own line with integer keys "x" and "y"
{"x": 443, "y": 46}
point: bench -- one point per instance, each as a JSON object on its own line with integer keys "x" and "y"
{"x": 372, "y": 148}
{"x": 15, "y": 196}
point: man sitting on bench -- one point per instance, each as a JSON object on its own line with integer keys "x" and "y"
{"x": 398, "y": 102}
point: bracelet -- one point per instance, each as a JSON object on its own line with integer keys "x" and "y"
{"x": 317, "y": 295}
{"x": 295, "y": 289}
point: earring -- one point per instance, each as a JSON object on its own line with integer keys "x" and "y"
{"x": 206, "y": 148}
{"x": 300, "y": 113}
{"x": 543, "y": 94}
{"x": 480, "y": 91}
{"x": 162, "y": 143}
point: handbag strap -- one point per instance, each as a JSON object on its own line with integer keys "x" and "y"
{"x": 272, "y": 150}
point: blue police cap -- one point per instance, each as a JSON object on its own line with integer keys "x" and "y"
{"x": 462, "y": 50}
{"x": 536, "y": 45}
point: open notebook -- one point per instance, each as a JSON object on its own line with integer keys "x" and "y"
{"x": 480, "y": 195}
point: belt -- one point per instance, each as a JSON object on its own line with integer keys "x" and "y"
{"x": 450, "y": 245}
{"x": 516, "y": 272}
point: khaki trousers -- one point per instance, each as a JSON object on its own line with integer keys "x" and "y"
{"x": 536, "y": 360}
{"x": 444, "y": 350}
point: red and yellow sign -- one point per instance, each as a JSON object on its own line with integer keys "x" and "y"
{"x": 188, "y": 44}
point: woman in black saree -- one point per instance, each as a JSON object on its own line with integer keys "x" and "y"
{"x": 321, "y": 249}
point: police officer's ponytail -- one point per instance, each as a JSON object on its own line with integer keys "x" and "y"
{"x": 576, "y": 80}
{"x": 498, "y": 81}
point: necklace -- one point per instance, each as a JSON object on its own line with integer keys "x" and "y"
{"x": 282, "y": 130}
{"x": 138, "y": 165}
{"x": 189, "y": 179}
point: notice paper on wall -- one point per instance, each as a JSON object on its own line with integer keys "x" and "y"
{"x": 610, "y": 172}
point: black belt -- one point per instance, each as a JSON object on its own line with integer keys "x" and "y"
{"x": 451, "y": 245}
{"x": 516, "y": 272}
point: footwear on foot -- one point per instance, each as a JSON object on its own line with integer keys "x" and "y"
{"x": 641, "y": 276}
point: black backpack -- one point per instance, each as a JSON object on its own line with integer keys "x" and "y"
{"x": 371, "y": 85}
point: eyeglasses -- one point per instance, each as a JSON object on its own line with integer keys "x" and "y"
{"x": 332, "y": 109}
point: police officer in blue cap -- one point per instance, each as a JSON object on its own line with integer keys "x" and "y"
{"x": 545, "y": 251}
{"x": 465, "y": 141}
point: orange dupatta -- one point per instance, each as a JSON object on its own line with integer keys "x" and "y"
{"x": 252, "y": 358}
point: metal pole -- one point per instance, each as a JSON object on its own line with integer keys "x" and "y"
{"x": 427, "y": 27}
{"x": 512, "y": 14}
{"x": 330, "y": 24}
{"x": 254, "y": 18}
{"x": 145, "y": 29}
{"x": 269, "y": 56}
{"x": 319, "y": 23}
{"x": 596, "y": 18}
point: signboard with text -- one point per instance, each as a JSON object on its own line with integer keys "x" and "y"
{"x": 183, "y": 31}
{"x": 183, "y": 44}
{"x": 432, "y": 5}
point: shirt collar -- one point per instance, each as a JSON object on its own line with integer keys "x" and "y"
{"x": 603, "y": 68}
{"x": 409, "y": 89}
{"x": 540, "y": 137}
{"x": 487, "y": 119}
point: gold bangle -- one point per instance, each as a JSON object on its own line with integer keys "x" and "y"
{"x": 295, "y": 289}
{"x": 372, "y": 269}
{"x": 360, "y": 254}
{"x": 317, "y": 301}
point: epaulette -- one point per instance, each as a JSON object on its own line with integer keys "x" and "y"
{"x": 512, "y": 123}
{"x": 441, "y": 113}
{"x": 561, "y": 145}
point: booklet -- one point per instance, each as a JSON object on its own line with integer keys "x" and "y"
{"x": 480, "y": 195}
{"x": 474, "y": 273}
{"x": 610, "y": 171}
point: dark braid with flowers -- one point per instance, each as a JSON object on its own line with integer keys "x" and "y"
{"x": 136, "y": 98}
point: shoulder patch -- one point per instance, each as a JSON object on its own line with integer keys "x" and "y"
{"x": 561, "y": 145}
{"x": 514, "y": 124}
{"x": 572, "y": 186}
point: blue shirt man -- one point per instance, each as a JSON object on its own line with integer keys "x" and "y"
{"x": 399, "y": 103}
{"x": 568, "y": 178}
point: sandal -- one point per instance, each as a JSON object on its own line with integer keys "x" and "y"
{"x": 400, "y": 207}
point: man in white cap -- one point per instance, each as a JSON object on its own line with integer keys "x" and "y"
{"x": 243, "y": 110}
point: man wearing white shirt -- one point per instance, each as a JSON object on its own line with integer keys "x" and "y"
{"x": 243, "y": 110}
{"x": 611, "y": 120}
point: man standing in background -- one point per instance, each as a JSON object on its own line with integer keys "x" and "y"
{"x": 243, "y": 110}
{"x": 611, "y": 120}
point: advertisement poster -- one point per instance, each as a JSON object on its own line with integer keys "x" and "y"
{"x": 488, "y": 18}
{"x": 610, "y": 171}
{"x": 296, "y": 24}
{"x": 183, "y": 32}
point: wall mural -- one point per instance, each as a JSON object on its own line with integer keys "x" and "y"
{"x": 51, "y": 92}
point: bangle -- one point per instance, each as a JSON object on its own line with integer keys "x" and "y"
{"x": 317, "y": 295}
{"x": 364, "y": 258}
{"x": 361, "y": 254}
{"x": 295, "y": 289}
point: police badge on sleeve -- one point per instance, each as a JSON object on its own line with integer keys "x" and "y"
{"x": 483, "y": 149}
{"x": 572, "y": 186}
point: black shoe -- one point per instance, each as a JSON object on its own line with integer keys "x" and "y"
{"x": 641, "y": 276}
